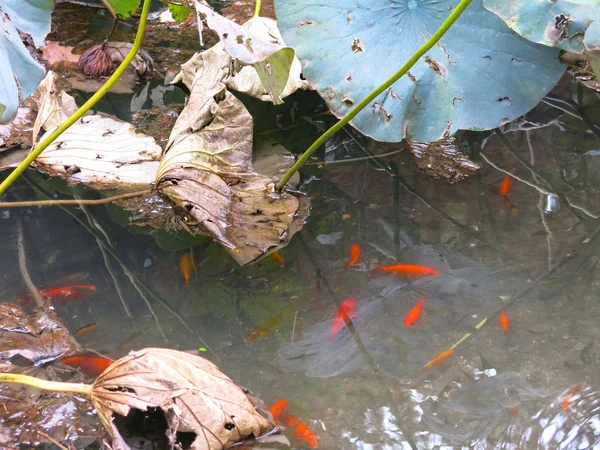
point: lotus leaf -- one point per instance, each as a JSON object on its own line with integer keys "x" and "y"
{"x": 20, "y": 74}
{"x": 566, "y": 24}
{"x": 480, "y": 74}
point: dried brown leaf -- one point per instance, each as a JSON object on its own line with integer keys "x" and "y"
{"x": 54, "y": 107}
{"x": 38, "y": 338}
{"x": 192, "y": 392}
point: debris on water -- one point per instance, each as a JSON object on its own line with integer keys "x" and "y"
{"x": 443, "y": 160}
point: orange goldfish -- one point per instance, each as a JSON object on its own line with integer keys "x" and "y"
{"x": 302, "y": 431}
{"x": 277, "y": 257}
{"x": 414, "y": 314}
{"x": 439, "y": 358}
{"x": 85, "y": 329}
{"x": 569, "y": 398}
{"x": 504, "y": 322}
{"x": 60, "y": 293}
{"x": 354, "y": 255}
{"x": 346, "y": 310}
{"x": 278, "y": 408}
{"x": 505, "y": 185}
{"x": 266, "y": 327}
{"x": 186, "y": 265}
{"x": 409, "y": 270}
{"x": 89, "y": 362}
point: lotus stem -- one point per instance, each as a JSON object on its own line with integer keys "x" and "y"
{"x": 86, "y": 106}
{"x": 455, "y": 14}
{"x": 257, "y": 8}
{"x": 56, "y": 386}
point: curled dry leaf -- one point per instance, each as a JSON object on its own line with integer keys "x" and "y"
{"x": 266, "y": 68}
{"x": 207, "y": 168}
{"x": 193, "y": 393}
{"x": 53, "y": 107}
{"x": 442, "y": 159}
{"x": 103, "y": 152}
{"x": 38, "y": 338}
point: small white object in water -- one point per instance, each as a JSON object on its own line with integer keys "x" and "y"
{"x": 329, "y": 239}
{"x": 147, "y": 263}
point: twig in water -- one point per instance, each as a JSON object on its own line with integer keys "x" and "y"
{"x": 294, "y": 326}
{"x": 23, "y": 266}
{"x": 51, "y": 439}
{"x": 100, "y": 201}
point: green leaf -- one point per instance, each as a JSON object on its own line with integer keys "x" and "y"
{"x": 479, "y": 76}
{"x": 558, "y": 23}
{"x": 179, "y": 12}
{"x": 123, "y": 8}
{"x": 30, "y": 16}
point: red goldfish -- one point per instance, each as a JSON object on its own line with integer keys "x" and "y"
{"x": 277, "y": 408}
{"x": 505, "y": 185}
{"x": 354, "y": 255}
{"x": 439, "y": 358}
{"x": 504, "y": 322}
{"x": 277, "y": 257}
{"x": 414, "y": 314}
{"x": 186, "y": 265}
{"x": 346, "y": 310}
{"x": 409, "y": 270}
{"x": 302, "y": 431}
{"x": 85, "y": 329}
{"x": 569, "y": 398}
{"x": 59, "y": 293}
{"x": 89, "y": 362}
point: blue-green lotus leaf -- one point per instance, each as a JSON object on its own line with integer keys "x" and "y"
{"x": 30, "y": 16}
{"x": 480, "y": 75}
{"x": 16, "y": 65}
{"x": 555, "y": 23}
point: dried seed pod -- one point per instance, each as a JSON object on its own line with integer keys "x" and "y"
{"x": 95, "y": 62}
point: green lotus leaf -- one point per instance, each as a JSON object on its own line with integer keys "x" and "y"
{"x": 480, "y": 75}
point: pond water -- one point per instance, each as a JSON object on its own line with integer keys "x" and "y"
{"x": 532, "y": 254}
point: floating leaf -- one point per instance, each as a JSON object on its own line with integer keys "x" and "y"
{"x": 207, "y": 168}
{"x": 193, "y": 393}
{"x": 103, "y": 152}
{"x": 30, "y": 16}
{"x": 479, "y": 75}
{"x": 565, "y": 24}
{"x": 179, "y": 13}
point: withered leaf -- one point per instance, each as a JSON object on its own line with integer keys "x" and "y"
{"x": 207, "y": 169}
{"x": 38, "y": 338}
{"x": 192, "y": 392}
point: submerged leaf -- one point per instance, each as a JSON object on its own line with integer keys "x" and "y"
{"x": 192, "y": 392}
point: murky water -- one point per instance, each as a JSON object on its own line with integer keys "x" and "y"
{"x": 534, "y": 256}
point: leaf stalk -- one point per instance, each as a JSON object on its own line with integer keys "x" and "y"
{"x": 56, "y": 386}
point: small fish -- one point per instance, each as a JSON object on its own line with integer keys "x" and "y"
{"x": 302, "y": 431}
{"x": 504, "y": 322}
{"x": 186, "y": 265}
{"x": 277, "y": 257}
{"x": 89, "y": 362}
{"x": 439, "y": 358}
{"x": 85, "y": 329}
{"x": 60, "y": 293}
{"x": 568, "y": 401}
{"x": 266, "y": 328}
{"x": 505, "y": 185}
{"x": 346, "y": 309}
{"x": 354, "y": 255}
{"x": 409, "y": 270}
{"x": 414, "y": 314}
{"x": 278, "y": 408}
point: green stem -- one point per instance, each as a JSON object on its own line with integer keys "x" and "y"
{"x": 257, "y": 8}
{"x": 373, "y": 95}
{"x": 86, "y": 106}
{"x": 56, "y": 386}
